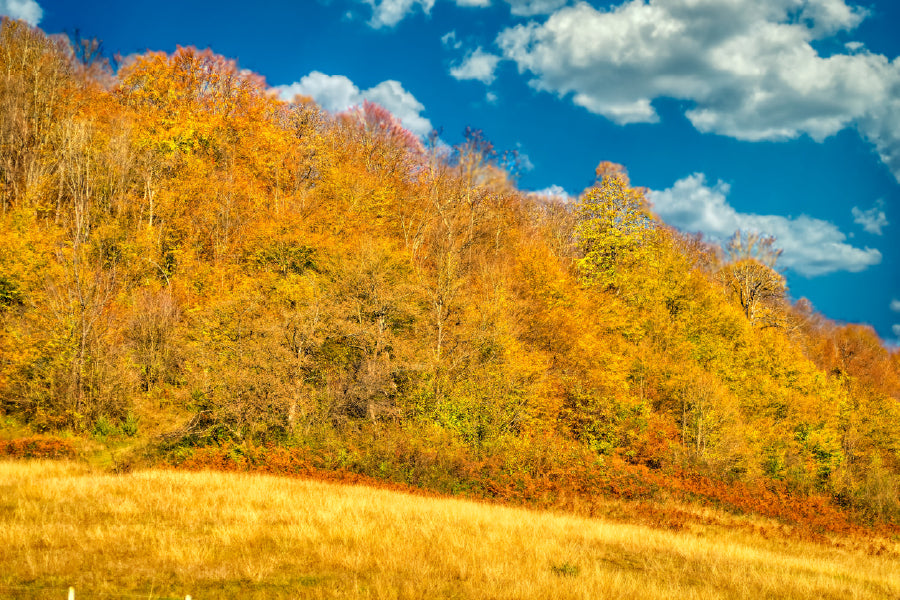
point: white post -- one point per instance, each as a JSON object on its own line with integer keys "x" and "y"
{"x": 188, "y": 597}
{"x": 71, "y": 593}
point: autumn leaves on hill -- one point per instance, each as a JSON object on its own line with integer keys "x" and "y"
{"x": 187, "y": 259}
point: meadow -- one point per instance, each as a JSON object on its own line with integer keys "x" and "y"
{"x": 167, "y": 533}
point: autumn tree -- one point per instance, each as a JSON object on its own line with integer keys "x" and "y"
{"x": 207, "y": 134}
{"x": 301, "y": 156}
{"x": 443, "y": 234}
{"x": 151, "y": 333}
{"x": 183, "y": 244}
{"x": 613, "y": 226}
{"x": 36, "y": 90}
{"x": 375, "y": 309}
{"x": 751, "y": 279}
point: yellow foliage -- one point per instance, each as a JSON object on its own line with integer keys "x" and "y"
{"x": 184, "y": 239}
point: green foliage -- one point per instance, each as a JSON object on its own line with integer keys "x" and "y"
{"x": 10, "y": 293}
{"x": 565, "y": 569}
{"x": 103, "y": 428}
{"x": 480, "y": 410}
{"x": 603, "y": 422}
{"x": 286, "y": 257}
{"x": 130, "y": 425}
{"x": 773, "y": 464}
{"x": 613, "y": 228}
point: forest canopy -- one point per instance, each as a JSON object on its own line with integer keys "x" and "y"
{"x": 185, "y": 257}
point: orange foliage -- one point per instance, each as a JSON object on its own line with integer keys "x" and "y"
{"x": 176, "y": 238}
{"x": 578, "y": 483}
{"x": 38, "y": 446}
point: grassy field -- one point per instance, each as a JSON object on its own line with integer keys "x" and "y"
{"x": 158, "y": 534}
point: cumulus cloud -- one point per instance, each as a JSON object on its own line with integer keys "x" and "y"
{"x": 895, "y": 305}
{"x": 811, "y": 246}
{"x": 387, "y": 13}
{"x": 747, "y": 67}
{"x": 26, "y": 10}
{"x": 333, "y": 92}
{"x": 827, "y": 17}
{"x": 529, "y": 8}
{"x": 391, "y": 95}
{"x": 523, "y": 162}
{"x": 449, "y": 40}
{"x": 896, "y": 329}
{"x": 336, "y": 93}
{"x": 478, "y": 65}
{"x": 872, "y": 220}
{"x": 553, "y": 192}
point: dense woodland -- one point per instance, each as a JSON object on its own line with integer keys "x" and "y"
{"x": 188, "y": 260}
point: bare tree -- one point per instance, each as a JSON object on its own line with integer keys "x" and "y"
{"x": 751, "y": 279}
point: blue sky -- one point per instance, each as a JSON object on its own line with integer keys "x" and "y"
{"x": 781, "y": 116}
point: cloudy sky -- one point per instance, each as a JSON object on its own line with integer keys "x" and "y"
{"x": 779, "y": 116}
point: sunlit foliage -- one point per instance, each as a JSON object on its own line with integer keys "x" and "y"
{"x": 187, "y": 258}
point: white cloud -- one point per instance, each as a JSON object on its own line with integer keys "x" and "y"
{"x": 477, "y": 65}
{"x": 895, "y": 305}
{"x": 491, "y": 98}
{"x": 387, "y": 13}
{"x": 403, "y": 105}
{"x": 336, "y": 93}
{"x": 553, "y": 191}
{"x": 26, "y": 10}
{"x": 523, "y": 161}
{"x": 896, "y": 329}
{"x": 529, "y": 8}
{"x": 827, "y": 17}
{"x": 811, "y": 246}
{"x": 748, "y": 67}
{"x": 872, "y": 220}
{"x": 449, "y": 40}
{"x": 333, "y": 92}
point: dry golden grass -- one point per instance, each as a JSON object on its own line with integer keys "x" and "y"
{"x": 159, "y": 534}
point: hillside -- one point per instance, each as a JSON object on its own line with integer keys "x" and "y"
{"x": 200, "y": 273}
{"x": 167, "y": 534}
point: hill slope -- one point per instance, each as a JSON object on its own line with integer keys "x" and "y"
{"x": 167, "y": 534}
{"x": 187, "y": 261}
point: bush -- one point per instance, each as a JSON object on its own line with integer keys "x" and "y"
{"x": 130, "y": 424}
{"x": 103, "y": 428}
{"x": 37, "y": 447}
